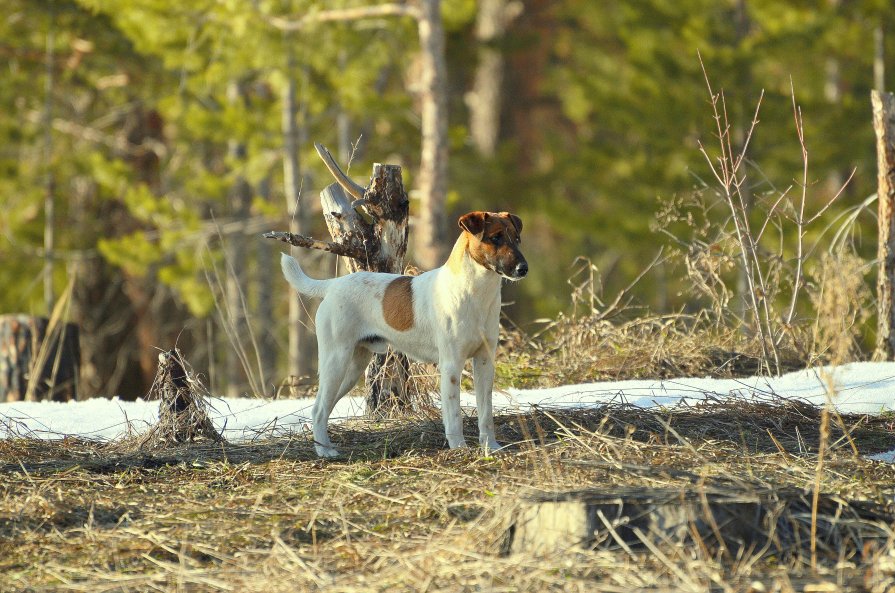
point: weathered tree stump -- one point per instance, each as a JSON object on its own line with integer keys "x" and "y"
{"x": 718, "y": 520}
{"x": 38, "y": 361}
{"x": 369, "y": 229}
{"x": 183, "y": 416}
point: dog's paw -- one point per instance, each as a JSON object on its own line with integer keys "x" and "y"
{"x": 326, "y": 452}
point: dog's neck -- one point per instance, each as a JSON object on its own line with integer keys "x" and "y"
{"x": 476, "y": 277}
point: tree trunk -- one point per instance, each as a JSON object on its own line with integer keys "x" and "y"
{"x": 879, "y": 57}
{"x": 884, "y": 126}
{"x": 38, "y": 361}
{"x": 386, "y": 201}
{"x": 299, "y": 336}
{"x": 740, "y": 132}
{"x": 50, "y": 181}
{"x": 265, "y": 275}
{"x": 371, "y": 233}
{"x": 431, "y": 235}
{"x": 183, "y": 416}
{"x": 484, "y": 100}
{"x": 235, "y": 282}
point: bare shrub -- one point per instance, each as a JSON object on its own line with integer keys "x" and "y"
{"x": 841, "y": 300}
{"x": 767, "y": 291}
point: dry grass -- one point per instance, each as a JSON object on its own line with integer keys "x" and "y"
{"x": 404, "y": 514}
{"x": 590, "y": 348}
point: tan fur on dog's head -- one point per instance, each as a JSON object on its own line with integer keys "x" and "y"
{"x": 493, "y": 242}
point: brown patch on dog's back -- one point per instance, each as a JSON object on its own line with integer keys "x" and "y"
{"x": 397, "y": 303}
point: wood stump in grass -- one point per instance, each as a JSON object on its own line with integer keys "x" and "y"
{"x": 38, "y": 360}
{"x": 369, "y": 229}
{"x": 727, "y": 520}
{"x": 183, "y": 416}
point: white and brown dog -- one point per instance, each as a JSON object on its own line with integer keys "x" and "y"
{"x": 444, "y": 316}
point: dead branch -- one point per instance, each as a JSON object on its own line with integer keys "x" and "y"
{"x": 341, "y": 14}
{"x": 354, "y": 189}
{"x": 309, "y": 243}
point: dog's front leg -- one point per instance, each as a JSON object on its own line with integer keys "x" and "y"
{"x": 450, "y": 402}
{"x": 483, "y": 377}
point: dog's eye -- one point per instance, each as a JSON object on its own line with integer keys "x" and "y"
{"x": 496, "y": 239}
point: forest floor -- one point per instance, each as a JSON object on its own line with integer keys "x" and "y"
{"x": 401, "y": 513}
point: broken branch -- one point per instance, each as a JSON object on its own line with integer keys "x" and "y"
{"x": 309, "y": 243}
{"x": 341, "y": 14}
{"x": 355, "y": 190}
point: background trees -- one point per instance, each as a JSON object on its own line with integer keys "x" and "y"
{"x": 170, "y": 146}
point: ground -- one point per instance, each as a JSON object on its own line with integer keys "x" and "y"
{"x": 401, "y": 513}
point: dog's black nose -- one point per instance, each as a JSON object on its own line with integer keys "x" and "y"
{"x": 521, "y": 269}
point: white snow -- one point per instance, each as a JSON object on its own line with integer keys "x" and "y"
{"x": 864, "y": 387}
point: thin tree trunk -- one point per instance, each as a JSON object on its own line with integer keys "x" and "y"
{"x": 879, "y": 58}
{"x": 833, "y": 95}
{"x": 234, "y": 285}
{"x": 884, "y": 126}
{"x": 431, "y": 234}
{"x": 50, "y": 183}
{"x": 743, "y": 23}
{"x": 265, "y": 276}
{"x": 484, "y": 100}
{"x": 299, "y": 364}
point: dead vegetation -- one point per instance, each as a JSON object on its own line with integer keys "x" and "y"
{"x": 183, "y": 403}
{"x": 405, "y": 514}
{"x": 180, "y": 509}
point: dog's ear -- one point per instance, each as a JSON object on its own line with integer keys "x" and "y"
{"x": 517, "y": 222}
{"x": 474, "y": 222}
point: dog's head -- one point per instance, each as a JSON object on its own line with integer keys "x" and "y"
{"x": 494, "y": 242}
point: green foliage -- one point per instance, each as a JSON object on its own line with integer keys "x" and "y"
{"x": 604, "y": 110}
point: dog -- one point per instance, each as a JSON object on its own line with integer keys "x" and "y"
{"x": 445, "y": 316}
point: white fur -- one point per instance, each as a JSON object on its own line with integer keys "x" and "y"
{"x": 456, "y": 317}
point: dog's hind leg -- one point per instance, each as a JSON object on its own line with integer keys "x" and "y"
{"x": 333, "y": 362}
{"x": 359, "y": 361}
{"x": 339, "y": 372}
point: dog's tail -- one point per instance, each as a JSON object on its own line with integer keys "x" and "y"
{"x": 301, "y": 281}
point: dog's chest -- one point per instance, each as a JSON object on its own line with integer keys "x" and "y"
{"x": 468, "y": 322}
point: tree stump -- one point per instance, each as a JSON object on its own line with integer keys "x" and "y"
{"x": 370, "y": 232}
{"x": 38, "y": 360}
{"x": 722, "y": 519}
{"x": 183, "y": 415}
